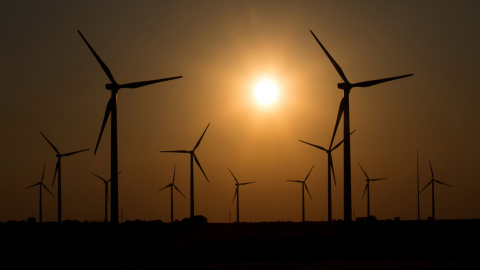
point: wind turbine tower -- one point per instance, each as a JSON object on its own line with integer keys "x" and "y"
{"x": 114, "y": 87}
{"x": 346, "y": 86}
{"x": 40, "y": 186}
{"x": 432, "y": 182}
{"x": 171, "y": 186}
{"x": 304, "y": 187}
{"x": 58, "y": 168}
{"x": 237, "y": 194}
{"x": 367, "y": 189}
{"x": 192, "y": 157}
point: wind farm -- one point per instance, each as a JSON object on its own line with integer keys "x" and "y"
{"x": 255, "y": 72}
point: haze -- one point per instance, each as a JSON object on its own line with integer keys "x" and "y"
{"x": 52, "y": 83}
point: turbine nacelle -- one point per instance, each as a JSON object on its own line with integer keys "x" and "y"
{"x": 112, "y": 86}
{"x": 344, "y": 86}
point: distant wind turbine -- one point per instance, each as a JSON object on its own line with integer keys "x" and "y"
{"x": 106, "y": 193}
{"x": 237, "y": 194}
{"x": 329, "y": 151}
{"x": 40, "y": 186}
{"x": 172, "y": 185}
{"x": 367, "y": 189}
{"x": 304, "y": 187}
{"x": 58, "y": 168}
{"x": 114, "y": 87}
{"x": 432, "y": 182}
{"x": 346, "y": 86}
{"x": 192, "y": 157}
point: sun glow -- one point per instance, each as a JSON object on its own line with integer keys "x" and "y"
{"x": 266, "y": 92}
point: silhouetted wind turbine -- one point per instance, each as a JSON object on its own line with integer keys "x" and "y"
{"x": 432, "y": 182}
{"x": 346, "y": 86}
{"x": 40, "y": 185}
{"x": 304, "y": 187}
{"x": 237, "y": 194}
{"x": 58, "y": 168}
{"x": 367, "y": 189}
{"x": 106, "y": 193}
{"x": 330, "y": 169}
{"x": 172, "y": 185}
{"x": 113, "y": 86}
{"x": 192, "y": 157}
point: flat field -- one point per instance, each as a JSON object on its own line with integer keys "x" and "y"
{"x": 384, "y": 244}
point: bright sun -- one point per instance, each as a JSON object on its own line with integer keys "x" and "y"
{"x": 266, "y": 92}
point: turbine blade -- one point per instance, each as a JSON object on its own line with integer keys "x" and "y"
{"x": 105, "y": 118}
{"x": 297, "y": 181}
{"x": 102, "y": 64}
{"x": 376, "y": 179}
{"x": 36, "y": 184}
{"x": 337, "y": 67}
{"x": 366, "y": 186}
{"x": 431, "y": 168}
{"x": 43, "y": 174}
{"x": 442, "y": 183}
{"x": 174, "y": 166}
{"x": 165, "y": 187}
{"x": 99, "y": 177}
{"x": 48, "y": 190}
{"x": 179, "y": 191}
{"x": 76, "y": 152}
{"x": 308, "y": 174}
{"x": 176, "y": 151}
{"x": 339, "y": 117}
{"x": 233, "y": 176}
{"x": 51, "y": 144}
{"x": 200, "y": 166}
{"x": 56, "y": 169}
{"x": 235, "y": 195}
{"x": 363, "y": 171}
{"x": 338, "y": 144}
{"x": 374, "y": 82}
{"x": 314, "y": 145}
{"x": 306, "y": 188}
{"x": 198, "y": 143}
{"x": 425, "y": 186}
{"x": 242, "y": 184}
{"x": 144, "y": 83}
{"x": 331, "y": 166}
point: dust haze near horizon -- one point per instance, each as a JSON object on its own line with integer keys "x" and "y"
{"x": 53, "y": 84}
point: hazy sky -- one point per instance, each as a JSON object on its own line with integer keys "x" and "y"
{"x": 52, "y": 83}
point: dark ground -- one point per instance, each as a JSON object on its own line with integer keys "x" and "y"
{"x": 443, "y": 244}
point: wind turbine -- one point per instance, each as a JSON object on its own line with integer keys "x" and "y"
{"x": 192, "y": 157}
{"x": 237, "y": 194}
{"x": 367, "y": 189}
{"x": 330, "y": 159}
{"x": 304, "y": 187}
{"x": 113, "y": 86}
{"x": 40, "y": 185}
{"x": 346, "y": 86}
{"x": 58, "y": 168}
{"x": 172, "y": 185}
{"x": 106, "y": 193}
{"x": 432, "y": 182}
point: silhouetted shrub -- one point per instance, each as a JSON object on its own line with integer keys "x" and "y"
{"x": 31, "y": 220}
{"x": 196, "y": 222}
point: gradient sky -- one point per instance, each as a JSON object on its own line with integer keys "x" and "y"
{"x": 52, "y": 83}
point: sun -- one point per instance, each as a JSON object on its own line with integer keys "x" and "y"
{"x": 266, "y": 92}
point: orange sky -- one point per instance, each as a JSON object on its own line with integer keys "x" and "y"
{"x": 52, "y": 83}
